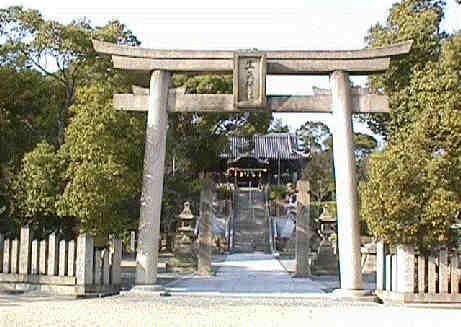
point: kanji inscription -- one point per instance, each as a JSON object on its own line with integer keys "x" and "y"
{"x": 249, "y": 80}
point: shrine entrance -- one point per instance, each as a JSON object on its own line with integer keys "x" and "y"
{"x": 250, "y": 69}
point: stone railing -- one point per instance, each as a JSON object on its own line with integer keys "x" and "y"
{"x": 406, "y": 276}
{"x": 73, "y": 267}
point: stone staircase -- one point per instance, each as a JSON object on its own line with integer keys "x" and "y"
{"x": 251, "y": 228}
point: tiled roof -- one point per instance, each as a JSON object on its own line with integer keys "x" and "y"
{"x": 270, "y": 146}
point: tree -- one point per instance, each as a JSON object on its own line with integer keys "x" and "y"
{"x": 98, "y": 171}
{"x": 62, "y": 52}
{"x": 278, "y": 126}
{"x": 104, "y": 153}
{"x": 38, "y": 187}
{"x": 28, "y": 107}
{"x": 417, "y": 20}
{"x": 413, "y": 195}
{"x": 317, "y": 139}
{"x": 364, "y": 146}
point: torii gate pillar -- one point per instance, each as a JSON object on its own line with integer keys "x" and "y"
{"x": 346, "y": 186}
{"x": 152, "y": 187}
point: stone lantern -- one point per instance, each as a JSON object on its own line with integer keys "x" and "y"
{"x": 185, "y": 259}
{"x": 184, "y": 231}
{"x": 326, "y": 262}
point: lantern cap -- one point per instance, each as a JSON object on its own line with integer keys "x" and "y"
{"x": 186, "y": 212}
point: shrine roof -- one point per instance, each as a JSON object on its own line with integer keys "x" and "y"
{"x": 282, "y": 146}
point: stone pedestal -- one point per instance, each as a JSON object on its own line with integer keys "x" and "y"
{"x": 152, "y": 189}
{"x": 346, "y": 187}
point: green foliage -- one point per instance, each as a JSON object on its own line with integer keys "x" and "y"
{"x": 44, "y": 63}
{"x": 417, "y": 20}
{"x": 28, "y": 107}
{"x": 104, "y": 149}
{"x": 317, "y": 139}
{"x": 38, "y": 186}
{"x": 278, "y": 192}
{"x": 413, "y": 195}
{"x": 278, "y": 126}
{"x": 63, "y": 52}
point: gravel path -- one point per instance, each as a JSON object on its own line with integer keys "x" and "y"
{"x": 248, "y": 274}
{"x": 254, "y": 290}
{"x": 205, "y": 311}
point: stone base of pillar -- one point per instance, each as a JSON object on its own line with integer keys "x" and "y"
{"x": 354, "y": 295}
{"x": 146, "y": 289}
{"x": 302, "y": 274}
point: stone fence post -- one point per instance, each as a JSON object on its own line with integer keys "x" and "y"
{"x": 380, "y": 266}
{"x": 2, "y": 239}
{"x": 116, "y": 259}
{"x": 52, "y": 255}
{"x": 84, "y": 262}
{"x": 24, "y": 250}
{"x": 405, "y": 269}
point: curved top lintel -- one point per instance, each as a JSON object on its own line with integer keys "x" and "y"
{"x": 138, "y": 52}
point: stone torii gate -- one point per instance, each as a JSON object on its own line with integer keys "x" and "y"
{"x": 249, "y": 70}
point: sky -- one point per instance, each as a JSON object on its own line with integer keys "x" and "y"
{"x": 243, "y": 24}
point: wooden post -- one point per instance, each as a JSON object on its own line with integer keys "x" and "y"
{"x": 303, "y": 232}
